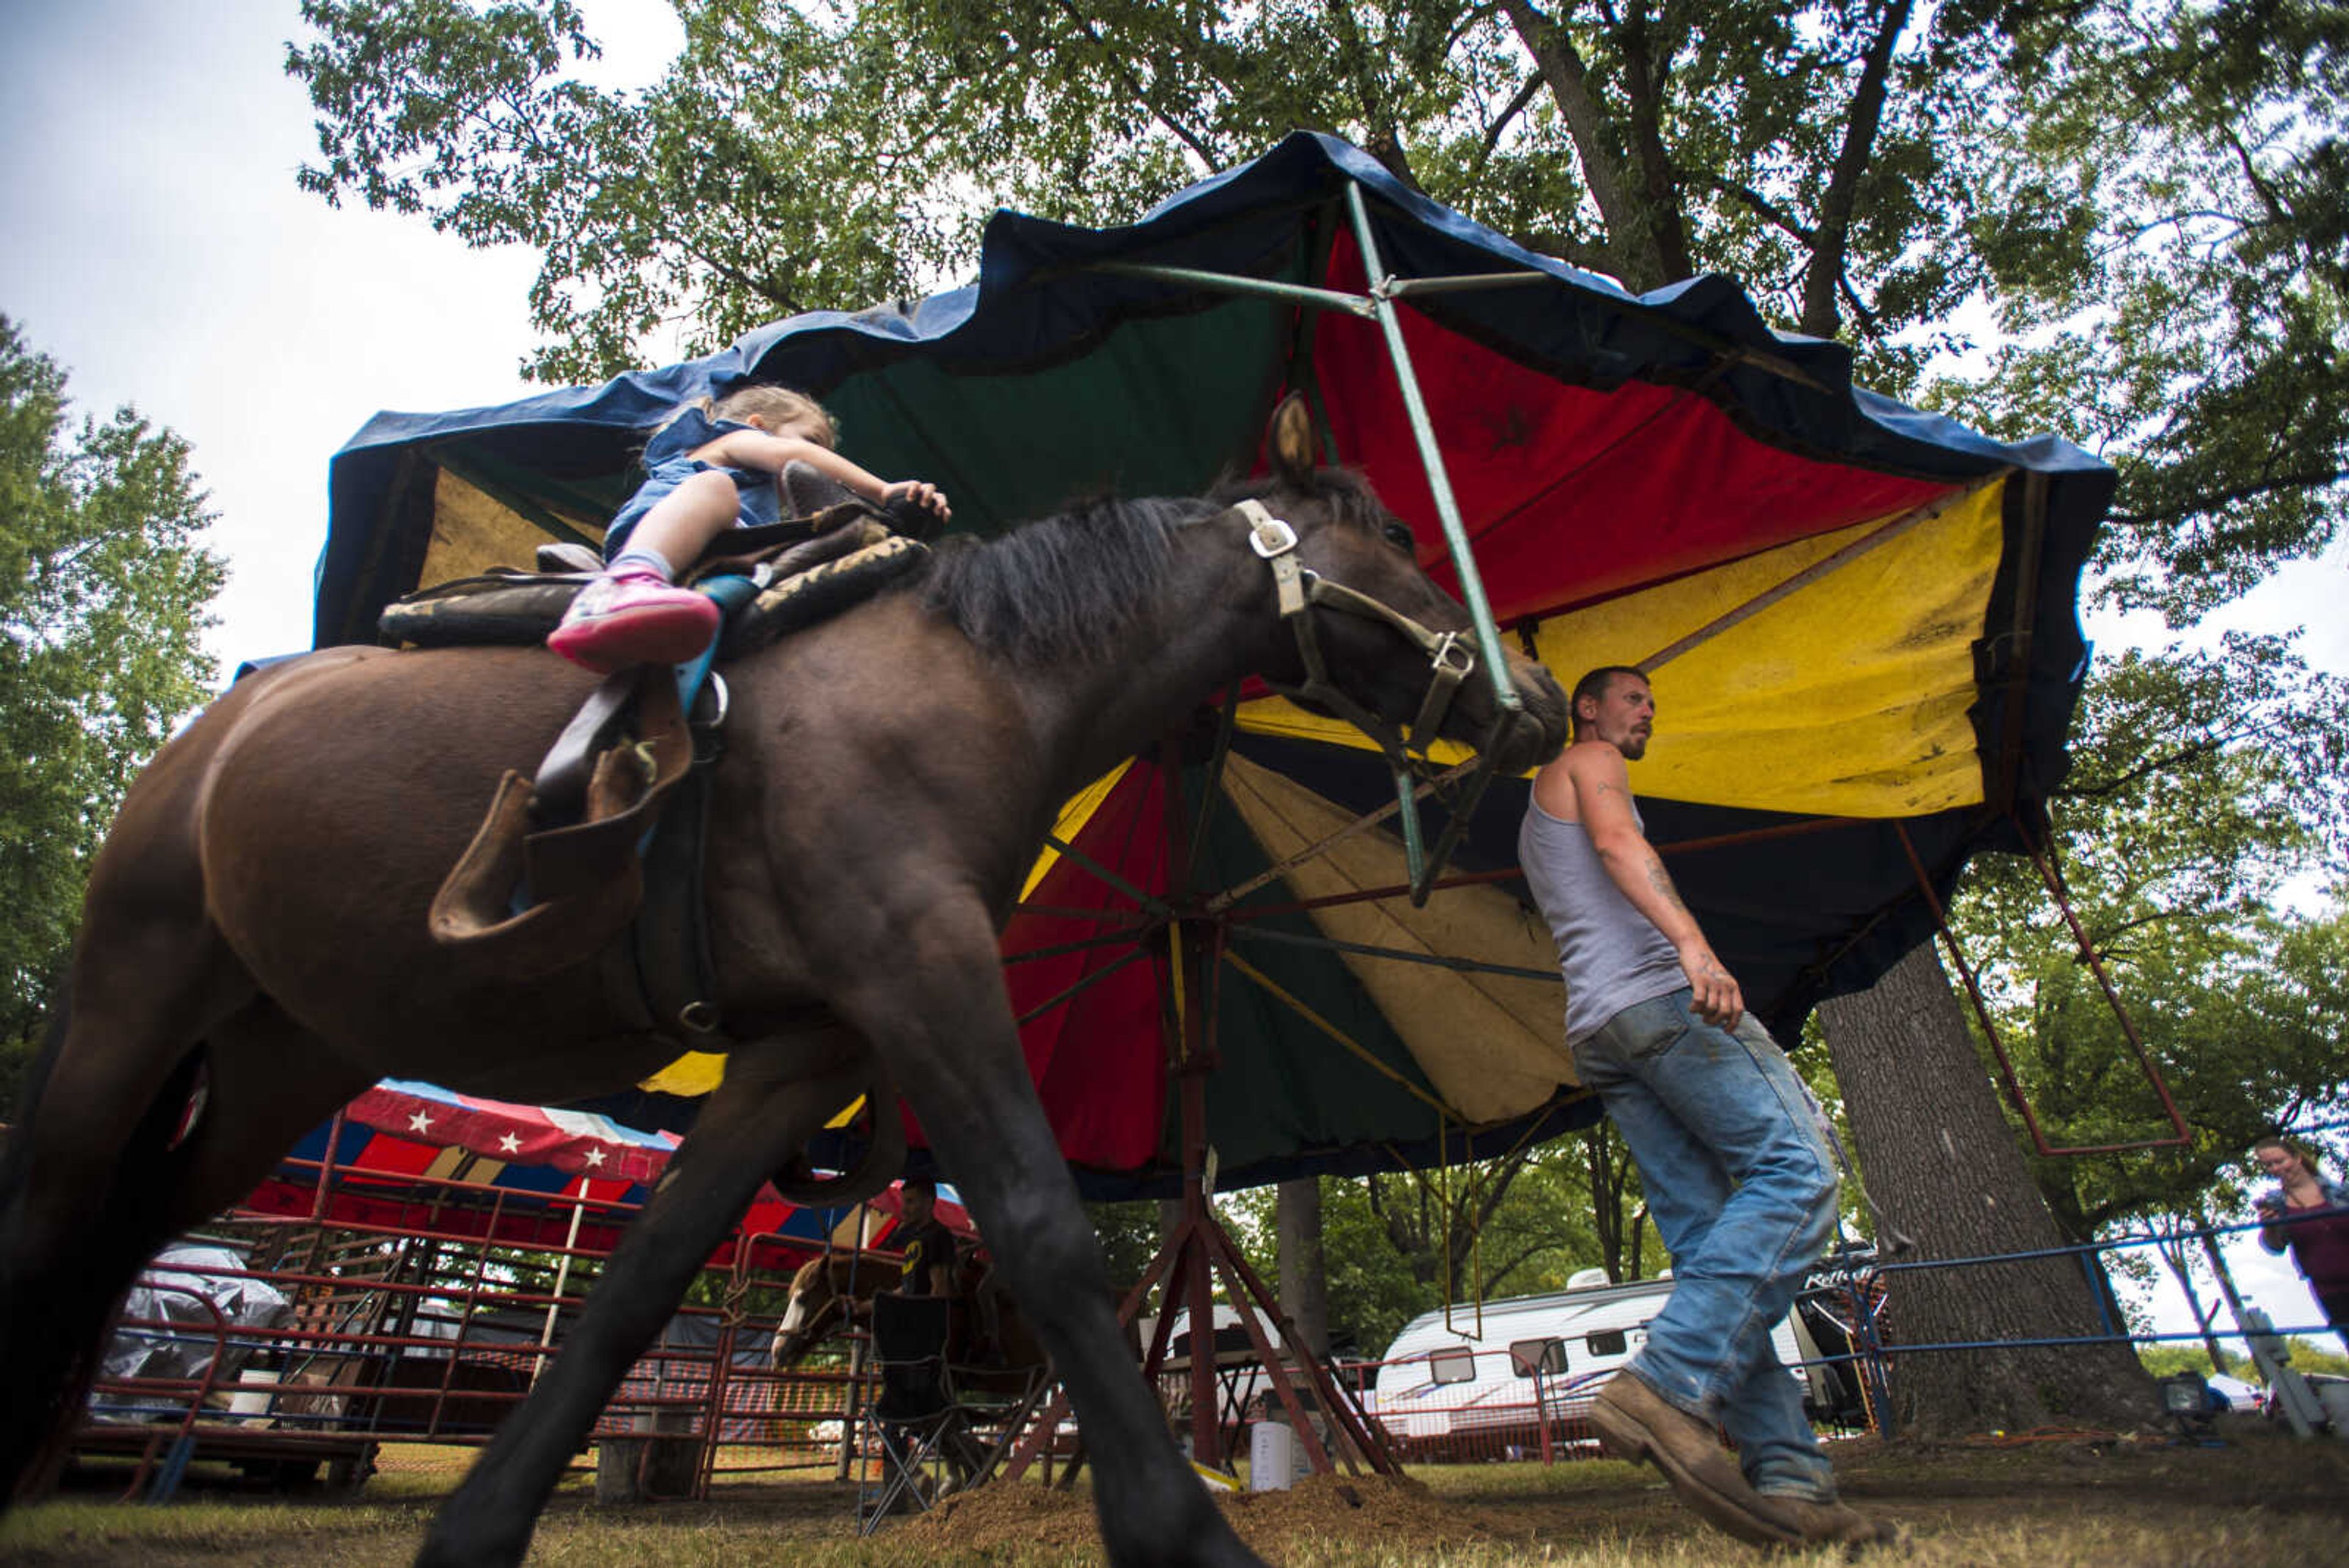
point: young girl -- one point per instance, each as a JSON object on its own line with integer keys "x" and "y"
{"x": 712, "y": 467}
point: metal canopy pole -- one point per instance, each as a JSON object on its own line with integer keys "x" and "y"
{"x": 1439, "y": 480}
{"x": 1379, "y": 306}
{"x": 1425, "y": 864}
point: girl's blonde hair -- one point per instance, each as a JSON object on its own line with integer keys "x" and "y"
{"x": 780, "y": 404}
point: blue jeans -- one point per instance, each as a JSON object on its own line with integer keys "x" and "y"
{"x": 1743, "y": 1190}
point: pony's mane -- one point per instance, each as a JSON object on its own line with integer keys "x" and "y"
{"x": 1057, "y": 589}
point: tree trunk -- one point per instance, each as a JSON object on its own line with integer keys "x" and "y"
{"x": 1304, "y": 1277}
{"x": 1618, "y": 1216}
{"x": 1943, "y": 1165}
{"x": 2172, "y": 1252}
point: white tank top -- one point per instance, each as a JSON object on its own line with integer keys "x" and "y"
{"x": 1611, "y": 955}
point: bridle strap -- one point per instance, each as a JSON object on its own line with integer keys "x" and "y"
{"x": 1451, "y": 658}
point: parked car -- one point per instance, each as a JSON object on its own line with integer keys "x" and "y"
{"x": 2243, "y": 1399}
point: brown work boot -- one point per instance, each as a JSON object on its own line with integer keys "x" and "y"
{"x": 1634, "y": 1422}
{"x": 1836, "y": 1524}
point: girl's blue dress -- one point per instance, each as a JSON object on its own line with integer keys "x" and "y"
{"x": 669, "y": 463}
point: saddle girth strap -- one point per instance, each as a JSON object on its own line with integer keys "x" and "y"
{"x": 669, "y": 944}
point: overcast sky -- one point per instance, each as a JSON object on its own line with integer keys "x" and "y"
{"x": 152, "y": 243}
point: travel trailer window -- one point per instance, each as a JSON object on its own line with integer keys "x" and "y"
{"x": 1545, "y": 1357}
{"x": 1454, "y": 1364}
{"x": 1607, "y": 1341}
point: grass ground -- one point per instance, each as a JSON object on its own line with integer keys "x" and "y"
{"x": 2260, "y": 1499}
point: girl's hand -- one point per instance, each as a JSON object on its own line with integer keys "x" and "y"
{"x": 928, "y": 496}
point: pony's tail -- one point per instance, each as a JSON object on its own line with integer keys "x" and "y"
{"x": 53, "y": 1311}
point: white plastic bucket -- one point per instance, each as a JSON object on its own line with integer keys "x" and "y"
{"x": 1272, "y": 1457}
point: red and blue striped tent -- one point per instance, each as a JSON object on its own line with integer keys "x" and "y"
{"x": 1860, "y": 621}
{"x": 544, "y": 1163}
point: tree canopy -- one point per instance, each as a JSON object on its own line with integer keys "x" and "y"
{"x": 2146, "y": 195}
{"x": 104, "y": 585}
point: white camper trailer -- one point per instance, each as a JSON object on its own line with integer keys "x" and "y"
{"x": 1468, "y": 1390}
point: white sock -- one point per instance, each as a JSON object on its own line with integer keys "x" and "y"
{"x": 641, "y": 557}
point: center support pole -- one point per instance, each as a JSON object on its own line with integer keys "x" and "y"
{"x": 1197, "y": 1250}
{"x": 1184, "y": 966}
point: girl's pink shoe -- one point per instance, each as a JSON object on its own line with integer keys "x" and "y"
{"x": 617, "y": 621}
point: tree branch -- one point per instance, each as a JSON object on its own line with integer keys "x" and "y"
{"x": 1516, "y": 106}
{"x": 2119, "y": 782}
{"x": 2211, "y": 500}
{"x": 1594, "y": 140}
{"x": 1133, "y": 86}
{"x": 1493, "y": 1280}
{"x": 1645, "y": 72}
{"x": 1580, "y": 253}
{"x": 1820, "y": 317}
{"x": 1385, "y": 140}
{"x": 1768, "y": 211}
{"x": 2266, "y": 192}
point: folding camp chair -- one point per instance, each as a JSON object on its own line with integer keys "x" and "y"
{"x": 927, "y": 1448}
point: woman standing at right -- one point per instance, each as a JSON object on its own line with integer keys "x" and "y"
{"x": 2307, "y": 1211}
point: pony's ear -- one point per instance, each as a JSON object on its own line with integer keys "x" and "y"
{"x": 1292, "y": 439}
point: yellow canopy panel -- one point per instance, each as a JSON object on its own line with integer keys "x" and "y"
{"x": 1846, "y": 697}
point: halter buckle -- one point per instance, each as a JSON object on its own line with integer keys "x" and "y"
{"x": 1268, "y": 536}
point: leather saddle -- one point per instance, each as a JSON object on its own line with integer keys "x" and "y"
{"x": 558, "y": 867}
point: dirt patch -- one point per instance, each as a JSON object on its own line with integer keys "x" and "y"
{"x": 1363, "y": 1507}
{"x": 1372, "y": 1507}
{"x": 996, "y": 1518}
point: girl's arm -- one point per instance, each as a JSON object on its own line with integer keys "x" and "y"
{"x": 770, "y": 454}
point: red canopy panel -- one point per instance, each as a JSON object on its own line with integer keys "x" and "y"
{"x": 1093, "y": 1057}
{"x": 1646, "y": 482}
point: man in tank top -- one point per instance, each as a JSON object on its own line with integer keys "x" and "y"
{"x": 1737, "y": 1174}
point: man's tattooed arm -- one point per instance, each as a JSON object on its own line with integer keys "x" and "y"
{"x": 1661, "y": 881}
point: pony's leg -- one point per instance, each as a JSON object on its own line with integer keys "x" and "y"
{"x": 79, "y": 1187}
{"x": 96, "y": 1189}
{"x": 758, "y": 1118}
{"x": 938, "y": 1013}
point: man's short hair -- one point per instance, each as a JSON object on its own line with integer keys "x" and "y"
{"x": 918, "y": 1184}
{"x": 1594, "y": 685}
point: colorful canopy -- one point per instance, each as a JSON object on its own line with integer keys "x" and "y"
{"x": 523, "y": 1157}
{"x": 1860, "y": 620}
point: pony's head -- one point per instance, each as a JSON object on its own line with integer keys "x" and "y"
{"x": 1374, "y": 637}
{"x": 815, "y": 1302}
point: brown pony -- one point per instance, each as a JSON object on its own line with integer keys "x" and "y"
{"x": 828, "y": 1295}
{"x": 991, "y": 1334}
{"x": 254, "y": 949}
